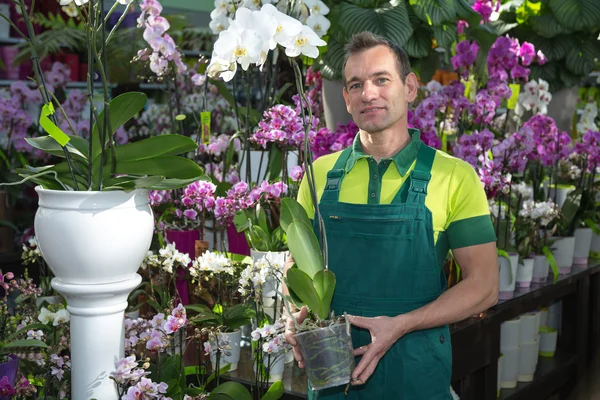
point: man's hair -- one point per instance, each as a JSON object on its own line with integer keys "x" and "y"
{"x": 366, "y": 40}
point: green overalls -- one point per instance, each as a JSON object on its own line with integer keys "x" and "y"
{"x": 385, "y": 264}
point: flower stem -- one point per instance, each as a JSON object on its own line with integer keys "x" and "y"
{"x": 37, "y": 70}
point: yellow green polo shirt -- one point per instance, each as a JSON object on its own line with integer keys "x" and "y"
{"x": 456, "y": 197}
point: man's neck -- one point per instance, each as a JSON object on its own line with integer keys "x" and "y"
{"x": 384, "y": 144}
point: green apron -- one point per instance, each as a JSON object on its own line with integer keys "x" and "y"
{"x": 385, "y": 263}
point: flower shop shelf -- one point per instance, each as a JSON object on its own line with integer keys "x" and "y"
{"x": 476, "y": 343}
{"x": 553, "y": 369}
{"x": 70, "y": 85}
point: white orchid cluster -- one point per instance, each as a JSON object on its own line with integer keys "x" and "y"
{"x": 494, "y": 207}
{"x": 252, "y": 34}
{"x": 168, "y": 258}
{"x": 587, "y": 121}
{"x": 210, "y": 264}
{"x": 60, "y": 317}
{"x": 255, "y": 276}
{"x": 309, "y": 12}
{"x": 535, "y": 98}
{"x": 523, "y": 190}
{"x": 163, "y": 48}
{"x": 80, "y": 3}
{"x": 273, "y": 339}
{"x": 543, "y": 212}
{"x": 31, "y": 251}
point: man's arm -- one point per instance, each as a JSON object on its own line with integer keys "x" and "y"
{"x": 475, "y": 293}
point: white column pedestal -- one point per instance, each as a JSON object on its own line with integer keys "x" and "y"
{"x": 97, "y": 334}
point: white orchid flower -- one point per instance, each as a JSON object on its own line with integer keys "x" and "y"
{"x": 287, "y": 27}
{"x": 316, "y": 7}
{"x": 243, "y": 46}
{"x": 221, "y": 7}
{"x": 46, "y": 316}
{"x": 305, "y": 43}
{"x": 219, "y": 23}
{"x": 260, "y": 22}
{"x": 61, "y": 317}
{"x": 253, "y": 5}
{"x": 319, "y": 24}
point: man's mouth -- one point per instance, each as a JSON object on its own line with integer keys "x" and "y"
{"x": 371, "y": 109}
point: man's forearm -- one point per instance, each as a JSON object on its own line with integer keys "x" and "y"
{"x": 467, "y": 298}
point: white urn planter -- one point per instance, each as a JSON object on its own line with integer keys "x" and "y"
{"x": 563, "y": 250}
{"x": 595, "y": 246}
{"x": 94, "y": 242}
{"x": 508, "y": 274}
{"x": 561, "y": 193}
{"x": 525, "y": 272}
{"x": 232, "y": 357}
{"x": 272, "y": 285}
{"x": 274, "y": 364}
{"x": 541, "y": 268}
{"x": 583, "y": 244}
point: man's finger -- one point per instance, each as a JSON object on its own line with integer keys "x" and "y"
{"x": 364, "y": 362}
{"x": 368, "y": 371}
{"x": 361, "y": 350}
{"x": 361, "y": 322}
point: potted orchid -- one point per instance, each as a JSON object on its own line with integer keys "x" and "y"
{"x": 218, "y": 274}
{"x": 270, "y": 349}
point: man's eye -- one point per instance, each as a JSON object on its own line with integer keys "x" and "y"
{"x": 355, "y": 86}
{"x": 382, "y": 80}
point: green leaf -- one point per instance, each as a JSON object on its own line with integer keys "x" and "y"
{"x": 9, "y": 224}
{"x": 324, "y": 283}
{"x": 500, "y": 27}
{"x": 261, "y": 218}
{"x": 333, "y": 59}
{"x": 241, "y": 221}
{"x": 581, "y": 59}
{"x": 281, "y": 91}
{"x": 579, "y": 15}
{"x": 292, "y": 210}
{"x": 199, "y": 308}
{"x": 419, "y": 44}
{"x": 546, "y": 25}
{"x": 302, "y": 285}
{"x": 132, "y": 183}
{"x": 552, "y": 262}
{"x": 465, "y": 12}
{"x": 170, "y": 184}
{"x": 257, "y": 238}
{"x": 275, "y": 163}
{"x": 425, "y": 67}
{"x": 445, "y": 35}
{"x": 230, "y": 391}
{"x": 169, "y": 167}
{"x": 390, "y": 21}
{"x": 304, "y": 246}
{"x": 49, "y": 145}
{"x": 155, "y": 146}
{"x": 122, "y": 109}
{"x": 547, "y": 72}
{"x": 275, "y": 391}
{"x": 554, "y": 49}
{"x": 434, "y": 12}
{"x": 24, "y": 343}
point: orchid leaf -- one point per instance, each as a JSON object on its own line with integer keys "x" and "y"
{"x": 292, "y": 210}
{"x": 324, "y": 283}
{"x": 230, "y": 391}
{"x": 302, "y": 285}
{"x": 304, "y": 246}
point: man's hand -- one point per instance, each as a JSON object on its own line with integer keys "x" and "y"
{"x": 385, "y": 331}
{"x": 290, "y": 330}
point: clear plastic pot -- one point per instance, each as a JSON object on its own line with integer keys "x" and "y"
{"x": 328, "y": 356}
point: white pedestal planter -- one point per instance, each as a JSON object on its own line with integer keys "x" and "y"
{"x": 561, "y": 194}
{"x": 548, "y": 337}
{"x": 555, "y": 315}
{"x": 583, "y": 244}
{"x": 259, "y": 164}
{"x": 541, "y": 268}
{"x": 274, "y": 364}
{"x": 334, "y": 106}
{"x": 508, "y": 274}
{"x": 563, "y": 250}
{"x": 543, "y": 317}
{"x": 500, "y": 366}
{"x": 510, "y": 368}
{"x": 525, "y": 273}
{"x": 94, "y": 242}
{"x": 233, "y": 358}
{"x": 528, "y": 356}
{"x": 528, "y": 328}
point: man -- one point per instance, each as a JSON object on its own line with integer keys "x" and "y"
{"x": 393, "y": 207}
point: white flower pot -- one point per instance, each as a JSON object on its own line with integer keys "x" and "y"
{"x": 509, "y": 334}
{"x": 500, "y": 366}
{"x": 525, "y": 272}
{"x": 543, "y": 317}
{"x": 259, "y": 167}
{"x": 4, "y": 26}
{"x": 541, "y": 268}
{"x": 233, "y": 358}
{"x": 510, "y": 368}
{"x": 528, "y": 356}
{"x": 583, "y": 244}
{"x": 94, "y": 242}
{"x": 563, "y": 250}
{"x": 555, "y": 315}
{"x": 561, "y": 195}
{"x": 289, "y": 357}
{"x": 508, "y": 274}
{"x": 274, "y": 364}
{"x": 548, "y": 342}
{"x": 528, "y": 328}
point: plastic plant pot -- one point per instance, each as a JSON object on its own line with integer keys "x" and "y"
{"x": 328, "y": 355}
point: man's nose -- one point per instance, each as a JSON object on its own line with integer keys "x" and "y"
{"x": 370, "y": 91}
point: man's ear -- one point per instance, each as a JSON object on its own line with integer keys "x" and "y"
{"x": 411, "y": 86}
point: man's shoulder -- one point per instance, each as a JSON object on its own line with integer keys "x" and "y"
{"x": 325, "y": 163}
{"x": 445, "y": 163}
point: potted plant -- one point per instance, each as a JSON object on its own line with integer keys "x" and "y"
{"x": 270, "y": 349}
{"x": 324, "y": 339}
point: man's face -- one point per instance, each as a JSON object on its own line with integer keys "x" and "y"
{"x": 375, "y": 95}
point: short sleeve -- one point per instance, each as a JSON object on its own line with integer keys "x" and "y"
{"x": 304, "y": 197}
{"x": 469, "y": 221}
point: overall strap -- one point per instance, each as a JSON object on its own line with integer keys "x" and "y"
{"x": 420, "y": 176}
{"x": 331, "y": 192}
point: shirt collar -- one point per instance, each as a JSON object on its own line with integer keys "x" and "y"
{"x": 403, "y": 159}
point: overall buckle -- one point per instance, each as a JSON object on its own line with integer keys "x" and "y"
{"x": 333, "y": 179}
